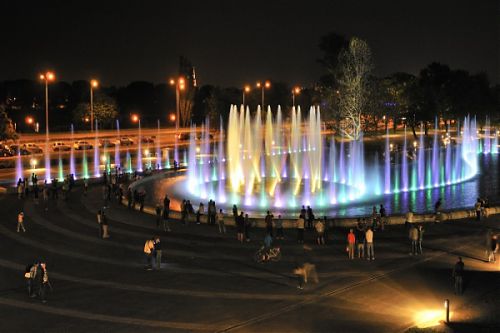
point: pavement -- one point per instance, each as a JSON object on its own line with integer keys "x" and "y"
{"x": 209, "y": 282}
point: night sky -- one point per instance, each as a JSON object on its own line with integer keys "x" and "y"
{"x": 234, "y": 42}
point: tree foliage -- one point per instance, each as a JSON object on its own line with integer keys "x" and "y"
{"x": 7, "y": 131}
{"x": 105, "y": 111}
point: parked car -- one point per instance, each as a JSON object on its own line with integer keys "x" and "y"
{"x": 79, "y": 145}
{"x": 5, "y": 151}
{"x": 126, "y": 141}
{"x": 32, "y": 148}
{"x": 107, "y": 143}
{"x": 60, "y": 146}
{"x": 16, "y": 149}
{"x": 147, "y": 139}
{"x": 183, "y": 136}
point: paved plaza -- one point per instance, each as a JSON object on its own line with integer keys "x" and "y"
{"x": 209, "y": 282}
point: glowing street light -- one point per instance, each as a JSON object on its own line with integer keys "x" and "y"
{"x": 93, "y": 84}
{"x": 29, "y": 120}
{"x": 246, "y": 90}
{"x": 47, "y": 77}
{"x": 180, "y": 85}
{"x": 134, "y": 117}
{"x": 295, "y": 91}
{"x": 172, "y": 117}
{"x": 266, "y": 85}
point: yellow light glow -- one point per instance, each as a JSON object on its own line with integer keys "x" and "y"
{"x": 29, "y": 120}
{"x": 197, "y": 149}
{"x": 172, "y": 117}
{"x": 181, "y": 81}
{"x": 268, "y": 84}
{"x": 428, "y": 318}
{"x": 103, "y": 159}
{"x": 247, "y": 88}
{"x": 50, "y": 76}
{"x": 181, "y": 87}
{"x": 33, "y": 163}
{"x": 94, "y": 83}
{"x": 42, "y": 77}
{"x": 171, "y": 82}
{"x": 135, "y": 118}
{"x": 258, "y": 85}
{"x": 296, "y": 90}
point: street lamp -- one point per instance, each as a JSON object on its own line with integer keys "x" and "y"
{"x": 246, "y": 90}
{"x": 295, "y": 91}
{"x": 266, "y": 85}
{"x": 180, "y": 84}
{"x": 93, "y": 84}
{"x": 47, "y": 77}
{"x": 134, "y": 117}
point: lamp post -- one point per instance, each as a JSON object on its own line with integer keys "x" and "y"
{"x": 47, "y": 77}
{"x": 246, "y": 90}
{"x": 266, "y": 85}
{"x": 93, "y": 84}
{"x": 180, "y": 84}
{"x": 295, "y": 91}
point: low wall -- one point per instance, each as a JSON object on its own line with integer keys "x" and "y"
{"x": 345, "y": 222}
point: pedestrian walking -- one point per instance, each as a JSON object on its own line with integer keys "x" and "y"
{"x": 220, "y": 222}
{"x": 458, "y": 276}
{"x": 305, "y": 273}
{"x": 158, "y": 252}
{"x": 420, "y": 238}
{"x": 413, "y": 237}
{"x": 320, "y": 232}
{"x": 351, "y": 241}
{"x": 300, "y": 229}
{"x": 20, "y": 222}
{"x": 370, "y": 251}
{"x": 279, "y": 228}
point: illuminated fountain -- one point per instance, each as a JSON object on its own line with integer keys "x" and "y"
{"x": 262, "y": 162}
{"x": 72, "y": 168}
{"x": 97, "y": 163}
{"x": 117, "y": 145}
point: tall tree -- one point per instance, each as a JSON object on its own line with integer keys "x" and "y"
{"x": 105, "y": 111}
{"x": 355, "y": 65}
{"x": 7, "y": 131}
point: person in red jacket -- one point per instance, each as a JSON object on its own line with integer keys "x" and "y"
{"x": 351, "y": 241}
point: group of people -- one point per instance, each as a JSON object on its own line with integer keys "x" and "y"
{"x": 360, "y": 239}
{"x": 37, "y": 280}
{"x": 481, "y": 207}
{"x": 416, "y": 237}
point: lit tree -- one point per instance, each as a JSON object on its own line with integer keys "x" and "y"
{"x": 355, "y": 65}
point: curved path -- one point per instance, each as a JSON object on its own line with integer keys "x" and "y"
{"x": 208, "y": 281}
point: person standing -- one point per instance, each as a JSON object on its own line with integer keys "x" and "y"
{"x": 310, "y": 218}
{"x": 200, "y": 212}
{"x": 408, "y": 219}
{"x": 360, "y": 239}
{"x": 158, "y": 215}
{"x": 320, "y": 232}
{"x": 99, "y": 222}
{"x": 148, "y": 253}
{"x": 269, "y": 223}
{"x": 351, "y": 241}
{"x": 458, "y": 276}
{"x": 85, "y": 186}
{"x": 220, "y": 222}
{"x": 240, "y": 227}
{"x": 420, "y": 238}
{"x": 413, "y": 236}
{"x": 105, "y": 226}
{"x": 157, "y": 249}
{"x": 279, "y": 228}
{"x": 477, "y": 208}
{"x": 248, "y": 226}
{"x": 370, "y": 251}
{"x": 300, "y": 229}
{"x": 20, "y": 222}
{"x": 383, "y": 216}
{"x": 45, "y": 283}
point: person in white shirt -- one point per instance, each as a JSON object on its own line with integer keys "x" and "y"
{"x": 370, "y": 253}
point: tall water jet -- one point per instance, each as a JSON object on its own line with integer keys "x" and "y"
{"x": 387, "y": 164}
{"x": 435, "y": 156}
{"x": 158, "y": 149}
{"x": 19, "y": 165}
{"x": 47, "y": 160}
{"x": 85, "y": 168}
{"x": 421, "y": 160}
{"x": 139, "y": 147}
{"x": 117, "y": 145}
{"x": 404, "y": 164}
{"x": 97, "y": 171}
{"x": 487, "y": 138}
{"x": 72, "y": 168}
{"x": 60, "y": 169}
